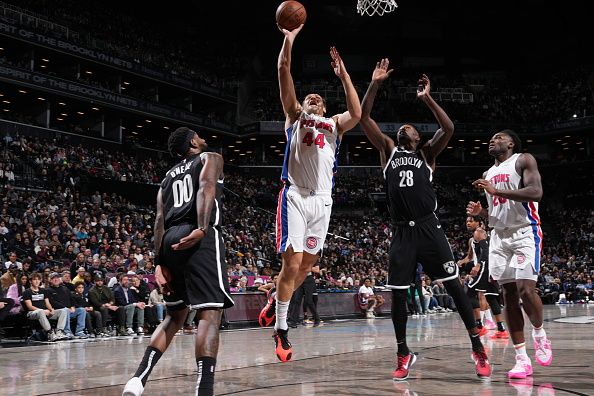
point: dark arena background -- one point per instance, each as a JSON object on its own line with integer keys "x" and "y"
{"x": 91, "y": 90}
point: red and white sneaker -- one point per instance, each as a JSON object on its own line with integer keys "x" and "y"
{"x": 500, "y": 335}
{"x": 522, "y": 369}
{"x": 403, "y": 365}
{"x": 544, "y": 352}
{"x": 268, "y": 313}
{"x": 283, "y": 348}
{"x": 483, "y": 331}
{"x": 481, "y": 363}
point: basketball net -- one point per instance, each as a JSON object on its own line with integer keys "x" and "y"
{"x": 379, "y": 7}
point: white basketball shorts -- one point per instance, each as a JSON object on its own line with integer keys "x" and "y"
{"x": 515, "y": 253}
{"x": 302, "y": 219}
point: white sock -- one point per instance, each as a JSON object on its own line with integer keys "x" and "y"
{"x": 539, "y": 333}
{"x": 482, "y": 316}
{"x": 521, "y": 350}
{"x": 488, "y": 315}
{"x": 282, "y": 307}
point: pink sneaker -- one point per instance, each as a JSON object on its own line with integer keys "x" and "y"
{"x": 544, "y": 352}
{"x": 522, "y": 369}
{"x": 490, "y": 325}
{"x": 482, "y": 365}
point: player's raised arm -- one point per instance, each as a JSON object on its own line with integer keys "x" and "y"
{"x": 440, "y": 140}
{"x": 347, "y": 120}
{"x": 381, "y": 141}
{"x": 205, "y": 197}
{"x": 291, "y": 106}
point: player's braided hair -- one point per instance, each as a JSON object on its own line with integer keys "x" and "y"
{"x": 178, "y": 143}
{"x": 516, "y": 139}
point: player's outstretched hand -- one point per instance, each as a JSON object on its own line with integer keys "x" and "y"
{"x": 486, "y": 185}
{"x": 337, "y": 64}
{"x": 474, "y": 208}
{"x": 189, "y": 240}
{"x": 424, "y": 87}
{"x": 381, "y": 72}
{"x": 290, "y": 34}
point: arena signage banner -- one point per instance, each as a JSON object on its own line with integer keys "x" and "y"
{"x": 49, "y": 83}
{"x": 104, "y": 57}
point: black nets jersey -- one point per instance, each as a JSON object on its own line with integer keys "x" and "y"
{"x": 409, "y": 192}
{"x": 179, "y": 189}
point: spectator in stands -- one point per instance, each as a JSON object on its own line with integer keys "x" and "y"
{"x": 16, "y": 292}
{"x": 102, "y": 300}
{"x": 127, "y": 299}
{"x": 12, "y": 259}
{"x": 60, "y": 299}
{"x": 156, "y": 301}
{"x": 6, "y": 305}
{"x": 9, "y": 278}
{"x": 38, "y": 307}
{"x": 369, "y": 299}
{"x": 444, "y": 300}
{"x": 66, "y": 281}
{"x": 80, "y": 272}
{"x": 93, "y": 319}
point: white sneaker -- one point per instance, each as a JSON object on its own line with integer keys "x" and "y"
{"x": 133, "y": 387}
{"x": 140, "y": 330}
{"x": 522, "y": 369}
{"x": 130, "y": 331}
{"x": 370, "y": 315}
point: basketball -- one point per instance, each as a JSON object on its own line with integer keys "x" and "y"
{"x": 290, "y": 14}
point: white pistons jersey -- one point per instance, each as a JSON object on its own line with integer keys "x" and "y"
{"x": 505, "y": 213}
{"x": 311, "y": 153}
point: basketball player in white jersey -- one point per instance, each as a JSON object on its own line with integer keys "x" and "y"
{"x": 305, "y": 202}
{"x": 513, "y": 189}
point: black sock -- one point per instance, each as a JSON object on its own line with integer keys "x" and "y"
{"x": 206, "y": 369}
{"x": 500, "y": 326}
{"x": 477, "y": 345}
{"x": 150, "y": 359}
{"x": 479, "y": 324}
{"x": 399, "y": 319}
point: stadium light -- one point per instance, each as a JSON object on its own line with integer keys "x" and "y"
{"x": 138, "y": 126}
{"x": 43, "y": 66}
{"x": 80, "y": 112}
{"x": 252, "y": 139}
{"x": 148, "y": 120}
{"x": 126, "y": 83}
{"x": 89, "y": 72}
{"x": 5, "y": 110}
{"x": 6, "y": 101}
{"x": 231, "y": 146}
{"x": 64, "y": 114}
{"x": 460, "y": 140}
{"x": 62, "y": 103}
{"x": 94, "y": 108}
{"x": 450, "y": 147}
{"x": 40, "y": 98}
{"x": 574, "y": 115}
{"x": 166, "y": 127}
{"x": 45, "y": 59}
{"x": 22, "y": 91}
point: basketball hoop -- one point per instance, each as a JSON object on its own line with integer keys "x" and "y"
{"x": 379, "y": 7}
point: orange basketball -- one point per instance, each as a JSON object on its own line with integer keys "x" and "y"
{"x": 290, "y": 14}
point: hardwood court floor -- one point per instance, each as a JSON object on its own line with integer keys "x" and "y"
{"x": 354, "y": 357}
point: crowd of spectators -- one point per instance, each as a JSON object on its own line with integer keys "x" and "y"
{"x": 78, "y": 235}
{"x": 539, "y": 101}
{"x": 126, "y": 35}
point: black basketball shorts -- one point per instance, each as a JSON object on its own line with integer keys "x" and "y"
{"x": 482, "y": 282}
{"x": 426, "y": 244}
{"x": 199, "y": 275}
